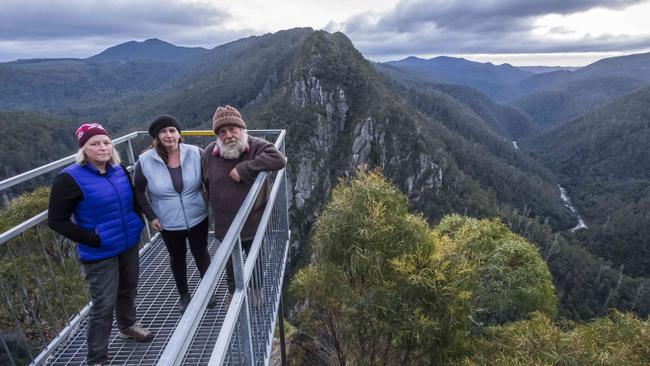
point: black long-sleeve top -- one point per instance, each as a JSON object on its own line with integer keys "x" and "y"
{"x": 140, "y": 189}
{"x": 64, "y": 196}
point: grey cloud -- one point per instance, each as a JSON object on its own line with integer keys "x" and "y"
{"x": 36, "y": 20}
{"x": 475, "y": 13}
{"x": 82, "y": 28}
{"x": 474, "y": 26}
{"x": 461, "y": 43}
{"x": 560, "y": 30}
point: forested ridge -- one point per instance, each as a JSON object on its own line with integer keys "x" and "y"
{"x": 602, "y": 158}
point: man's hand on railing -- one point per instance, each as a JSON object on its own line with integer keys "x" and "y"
{"x": 155, "y": 223}
{"x": 234, "y": 174}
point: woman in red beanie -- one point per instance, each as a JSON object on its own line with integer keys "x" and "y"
{"x": 92, "y": 204}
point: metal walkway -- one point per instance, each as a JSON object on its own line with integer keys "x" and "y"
{"x": 157, "y": 309}
{"x": 44, "y": 318}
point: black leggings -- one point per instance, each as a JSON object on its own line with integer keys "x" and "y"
{"x": 175, "y": 243}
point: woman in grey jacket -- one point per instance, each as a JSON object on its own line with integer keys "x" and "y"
{"x": 171, "y": 173}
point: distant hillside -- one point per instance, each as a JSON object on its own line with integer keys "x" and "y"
{"x": 557, "y": 97}
{"x": 482, "y": 154}
{"x": 604, "y": 161}
{"x": 63, "y": 86}
{"x": 240, "y": 73}
{"x": 631, "y": 66}
{"x": 628, "y": 67}
{"x": 32, "y": 140}
{"x": 505, "y": 121}
{"x": 566, "y": 101}
{"x": 496, "y": 81}
{"x": 545, "y": 69}
{"x": 151, "y": 49}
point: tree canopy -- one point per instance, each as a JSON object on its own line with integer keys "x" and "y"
{"x": 385, "y": 287}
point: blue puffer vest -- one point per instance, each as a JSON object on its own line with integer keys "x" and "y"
{"x": 107, "y": 209}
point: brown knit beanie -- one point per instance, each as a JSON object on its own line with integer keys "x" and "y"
{"x": 227, "y": 116}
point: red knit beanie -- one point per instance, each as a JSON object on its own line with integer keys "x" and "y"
{"x": 227, "y": 116}
{"x": 88, "y": 130}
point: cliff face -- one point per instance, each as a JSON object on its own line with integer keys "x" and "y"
{"x": 341, "y": 117}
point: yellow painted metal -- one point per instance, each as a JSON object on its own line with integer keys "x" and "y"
{"x": 198, "y": 133}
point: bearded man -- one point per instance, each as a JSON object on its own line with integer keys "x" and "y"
{"x": 229, "y": 167}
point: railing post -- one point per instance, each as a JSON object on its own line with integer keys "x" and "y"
{"x": 6, "y": 349}
{"x": 131, "y": 156}
{"x": 283, "y": 347}
{"x": 286, "y": 230}
{"x": 286, "y": 198}
{"x": 244, "y": 315}
{"x": 146, "y": 227}
{"x": 129, "y": 152}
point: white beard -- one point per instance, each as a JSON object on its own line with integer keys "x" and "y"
{"x": 233, "y": 149}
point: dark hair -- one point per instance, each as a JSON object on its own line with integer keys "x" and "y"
{"x": 160, "y": 149}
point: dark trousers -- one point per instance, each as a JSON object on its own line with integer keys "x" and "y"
{"x": 175, "y": 241}
{"x": 113, "y": 284}
{"x": 230, "y": 273}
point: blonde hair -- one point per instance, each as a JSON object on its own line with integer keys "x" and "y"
{"x": 80, "y": 157}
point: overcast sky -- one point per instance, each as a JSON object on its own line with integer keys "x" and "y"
{"x": 521, "y": 32}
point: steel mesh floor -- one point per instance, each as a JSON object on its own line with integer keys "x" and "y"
{"x": 157, "y": 309}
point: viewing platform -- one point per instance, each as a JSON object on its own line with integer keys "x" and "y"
{"x": 45, "y": 299}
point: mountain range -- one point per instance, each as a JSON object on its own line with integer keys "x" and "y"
{"x": 441, "y": 130}
{"x": 497, "y": 81}
{"x": 550, "y": 96}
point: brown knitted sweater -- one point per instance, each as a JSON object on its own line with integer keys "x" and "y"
{"x": 226, "y": 196}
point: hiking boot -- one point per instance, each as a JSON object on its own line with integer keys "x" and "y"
{"x": 228, "y": 299}
{"x": 213, "y": 302}
{"x": 137, "y": 332}
{"x": 183, "y": 302}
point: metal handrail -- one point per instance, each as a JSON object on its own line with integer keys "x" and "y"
{"x": 223, "y": 341}
{"x": 22, "y": 227}
{"x": 188, "y": 324}
{"x": 10, "y": 182}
